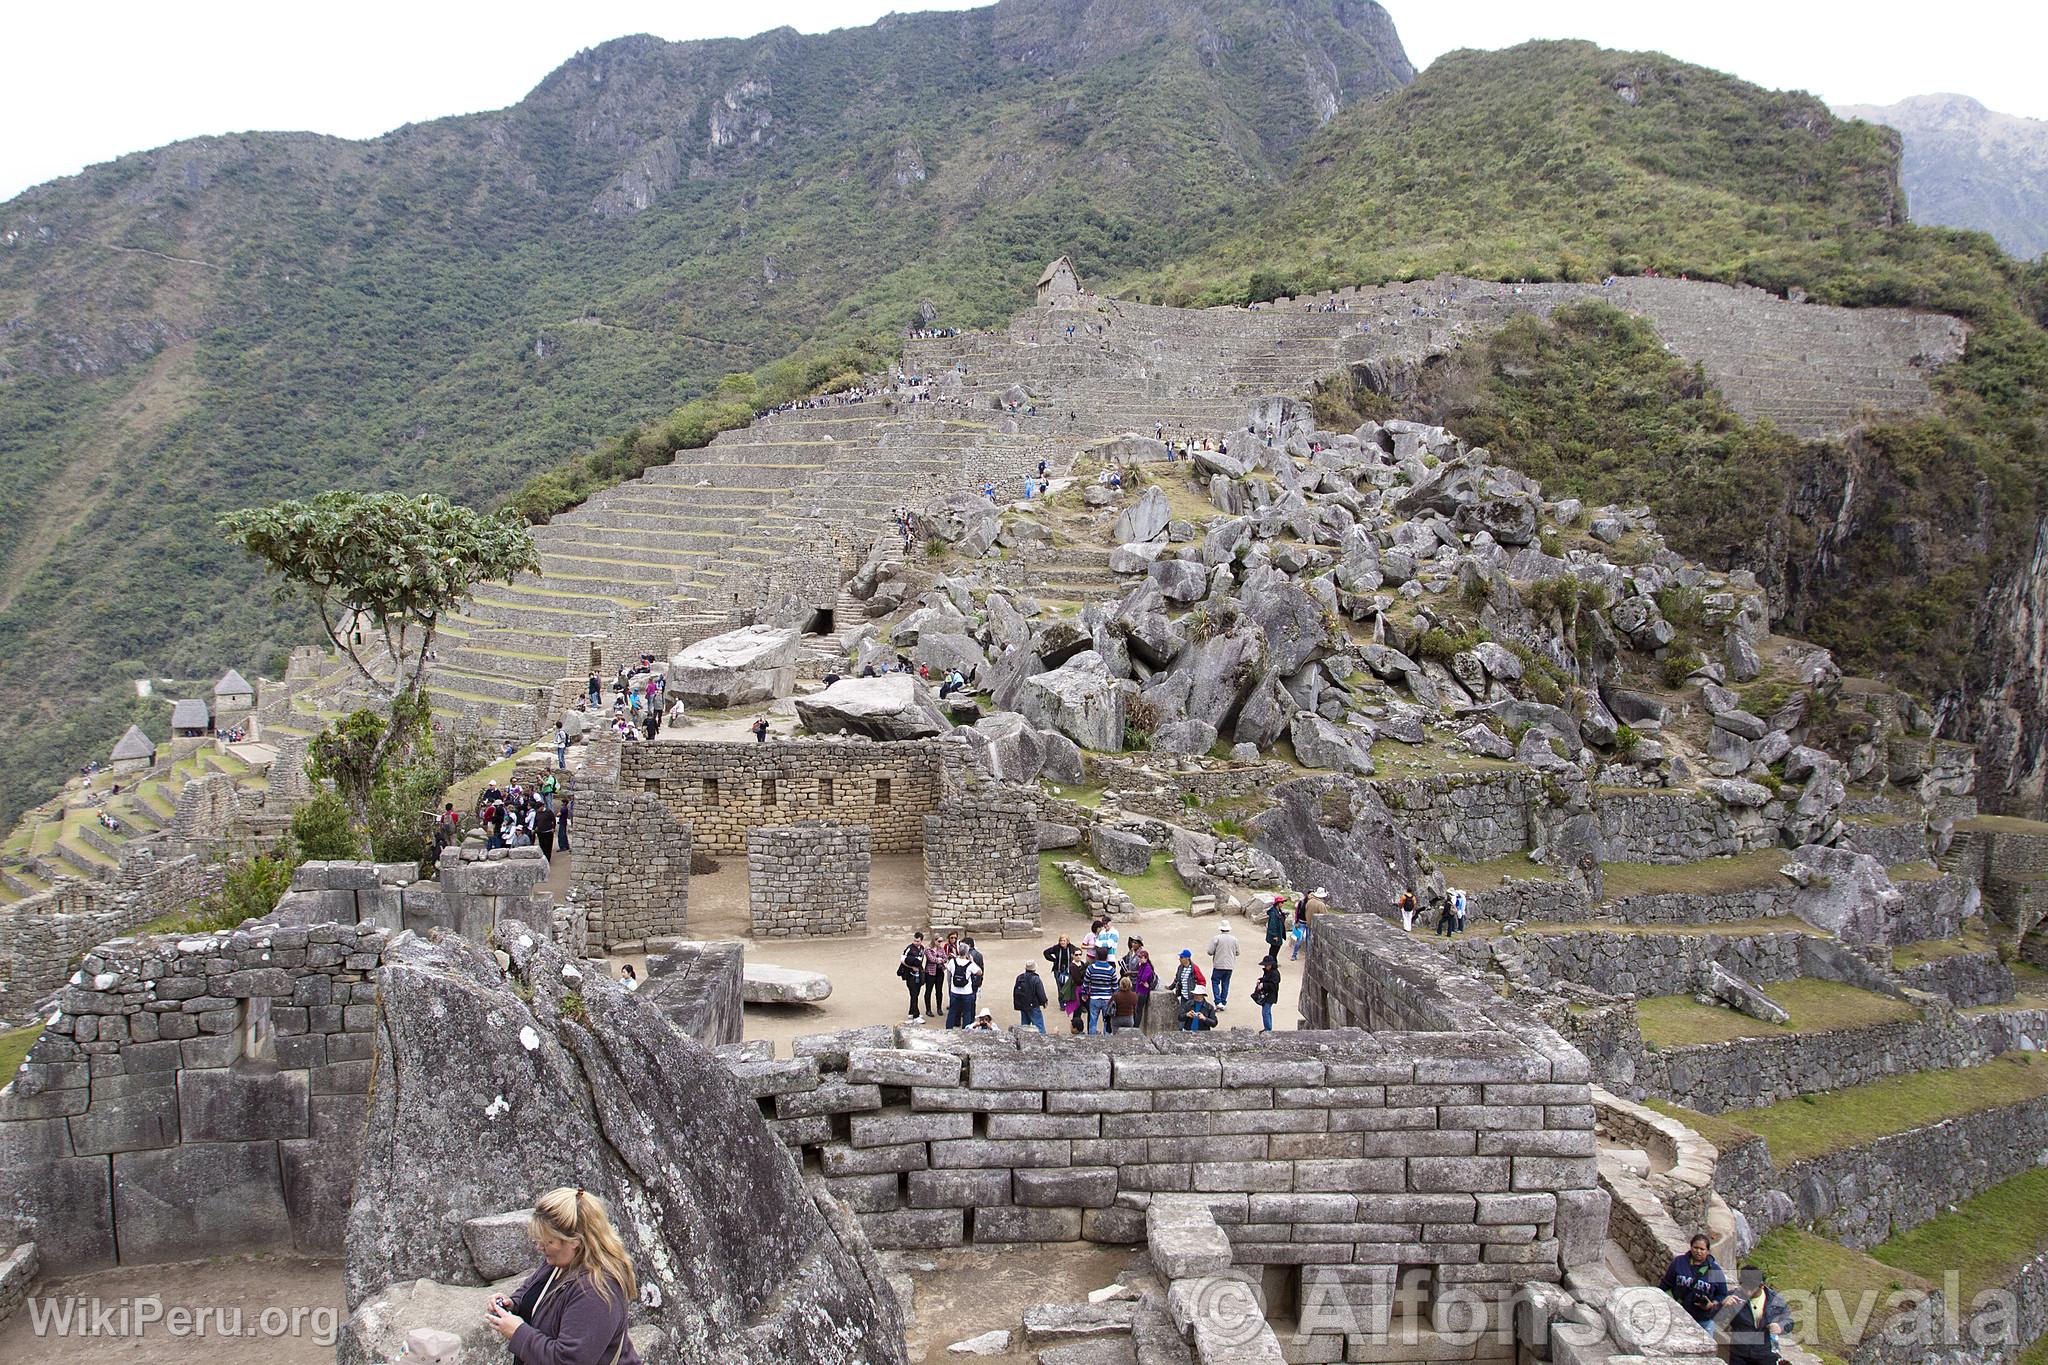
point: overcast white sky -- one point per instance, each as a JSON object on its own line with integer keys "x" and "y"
{"x": 88, "y": 82}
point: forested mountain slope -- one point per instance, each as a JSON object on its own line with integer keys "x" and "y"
{"x": 1969, "y": 167}
{"x": 460, "y": 303}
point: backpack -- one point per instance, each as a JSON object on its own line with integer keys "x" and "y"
{"x": 963, "y": 976}
{"x": 906, "y": 970}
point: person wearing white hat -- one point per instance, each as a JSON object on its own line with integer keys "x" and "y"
{"x": 984, "y": 1021}
{"x": 1222, "y": 962}
{"x": 1198, "y": 1015}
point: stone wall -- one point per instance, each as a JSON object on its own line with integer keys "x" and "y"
{"x": 808, "y": 880}
{"x": 43, "y": 936}
{"x": 1865, "y": 1194}
{"x": 1963, "y": 979}
{"x": 206, "y": 809}
{"x": 981, "y": 866}
{"x": 1636, "y": 964}
{"x": 195, "y": 1096}
{"x": 723, "y": 790}
{"x": 1465, "y": 1156}
{"x": 1676, "y": 827}
{"x": 1467, "y": 817}
{"x": 630, "y": 864}
{"x": 473, "y": 891}
{"x": 1749, "y": 1073}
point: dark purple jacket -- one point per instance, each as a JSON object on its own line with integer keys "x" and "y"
{"x": 572, "y": 1326}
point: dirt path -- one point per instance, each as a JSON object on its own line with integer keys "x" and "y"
{"x": 982, "y": 1289}
{"x": 241, "y": 1312}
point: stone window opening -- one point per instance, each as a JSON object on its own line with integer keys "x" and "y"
{"x": 653, "y": 786}
{"x": 825, "y": 791}
{"x": 767, "y": 791}
{"x": 710, "y": 791}
{"x": 258, "y": 1037}
{"x": 881, "y": 791}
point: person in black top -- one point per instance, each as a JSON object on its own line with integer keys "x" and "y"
{"x": 1758, "y": 1322}
{"x": 1028, "y": 996}
{"x": 910, "y": 971}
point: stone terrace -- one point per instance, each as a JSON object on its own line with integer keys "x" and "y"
{"x": 686, "y": 549}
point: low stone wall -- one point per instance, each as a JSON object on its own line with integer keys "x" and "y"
{"x": 981, "y": 866}
{"x": 1935, "y": 909}
{"x": 1889, "y": 842}
{"x": 1616, "y": 963}
{"x": 42, "y": 937}
{"x": 723, "y": 790}
{"x": 1963, "y": 979}
{"x": 1676, "y": 827}
{"x": 1865, "y": 1194}
{"x": 1467, "y": 817}
{"x": 1749, "y": 1073}
{"x": 1688, "y": 1161}
{"x": 18, "y": 1270}
{"x": 473, "y": 892}
{"x": 1466, "y": 1154}
{"x": 193, "y": 1097}
{"x": 808, "y": 880}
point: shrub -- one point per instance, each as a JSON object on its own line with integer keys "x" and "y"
{"x": 320, "y": 829}
{"x": 1679, "y": 665}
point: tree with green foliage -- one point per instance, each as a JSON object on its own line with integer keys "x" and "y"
{"x": 389, "y": 566}
{"x": 320, "y": 829}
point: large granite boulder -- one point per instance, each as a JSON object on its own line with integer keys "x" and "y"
{"x": 1222, "y": 670}
{"x": 753, "y": 663}
{"x": 943, "y": 652}
{"x": 1080, "y": 700}
{"x": 1121, "y": 851}
{"x": 492, "y": 1085}
{"x": 1007, "y": 747}
{"x": 1319, "y": 744}
{"x": 1335, "y": 832}
{"x": 1144, "y": 519}
{"x": 1292, "y": 622}
{"x": 897, "y": 706}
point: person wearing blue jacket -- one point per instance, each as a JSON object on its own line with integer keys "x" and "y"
{"x": 1697, "y": 1281}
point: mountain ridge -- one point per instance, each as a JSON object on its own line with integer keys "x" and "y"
{"x": 1968, "y": 166}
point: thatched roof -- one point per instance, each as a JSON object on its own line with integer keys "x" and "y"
{"x": 134, "y": 744}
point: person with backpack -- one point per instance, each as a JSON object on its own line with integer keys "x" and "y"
{"x": 760, "y": 729}
{"x": 1267, "y": 993}
{"x": 1028, "y": 996}
{"x": 544, "y": 831}
{"x": 1123, "y": 1006}
{"x": 1186, "y": 978}
{"x": 1144, "y": 980}
{"x": 910, "y": 971}
{"x": 1061, "y": 957}
{"x": 963, "y": 982}
{"x": 1407, "y": 908}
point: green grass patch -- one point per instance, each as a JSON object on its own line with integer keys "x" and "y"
{"x": 1914, "y": 872}
{"x": 1479, "y": 876}
{"x": 1814, "y": 1125}
{"x": 1719, "y": 1129}
{"x": 1973, "y": 939}
{"x": 1799, "y": 1262}
{"x": 1985, "y": 1239}
{"x": 1742, "y": 872}
{"x": 1815, "y": 1007}
{"x": 2004, "y": 824}
{"x": 14, "y": 1046}
{"x": 1158, "y": 887}
{"x": 1053, "y": 891}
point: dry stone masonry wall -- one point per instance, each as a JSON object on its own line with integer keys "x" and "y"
{"x": 195, "y": 1097}
{"x": 981, "y": 865}
{"x": 808, "y": 880}
{"x": 42, "y": 936}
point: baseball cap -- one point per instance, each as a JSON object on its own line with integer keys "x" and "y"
{"x": 1185, "y": 953}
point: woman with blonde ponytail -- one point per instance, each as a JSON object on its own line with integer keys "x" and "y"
{"x": 572, "y": 1309}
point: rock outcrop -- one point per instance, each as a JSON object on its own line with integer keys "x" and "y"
{"x": 567, "y": 1079}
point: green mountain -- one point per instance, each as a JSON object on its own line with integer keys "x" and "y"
{"x": 459, "y": 304}
{"x": 1969, "y": 167}
{"x": 1914, "y": 549}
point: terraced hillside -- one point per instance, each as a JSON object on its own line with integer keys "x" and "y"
{"x": 678, "y": 552}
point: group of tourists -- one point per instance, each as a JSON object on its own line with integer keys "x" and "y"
{"x": 1099, "y": 983}
{"x": 514, "y": 817}
{"x": 1751, "y": 1319}
{"x": 640, "y": 705}
{"x": 1450, "y": 912}
{"x": 907, "y": 522}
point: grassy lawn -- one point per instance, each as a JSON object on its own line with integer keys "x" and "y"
{"x": 1973, "y": 939}
{"x": 14, "y": 1046}
{"x": 1719, "y": 1129}
{"x": 1985, "y": 1239}
{"x": 1053, "y": 890}
{"x": 2004, "y": 824}
{"x": 1479, "y": 876}
{"x": 1921, "y": 871}
{"x": 1799, "y": 1261}
{"x": 1814, "y": 1125}
{"x": 1815, "y": 1006}
{"x": 1743, "y": 872}
{"x": 1158, "y": 887}
{"x": 1782, "y": 924}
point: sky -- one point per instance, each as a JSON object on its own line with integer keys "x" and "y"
{"x": 90, "y": 82}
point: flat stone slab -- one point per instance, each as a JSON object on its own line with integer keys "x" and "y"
{"x": 765, "y": 984}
